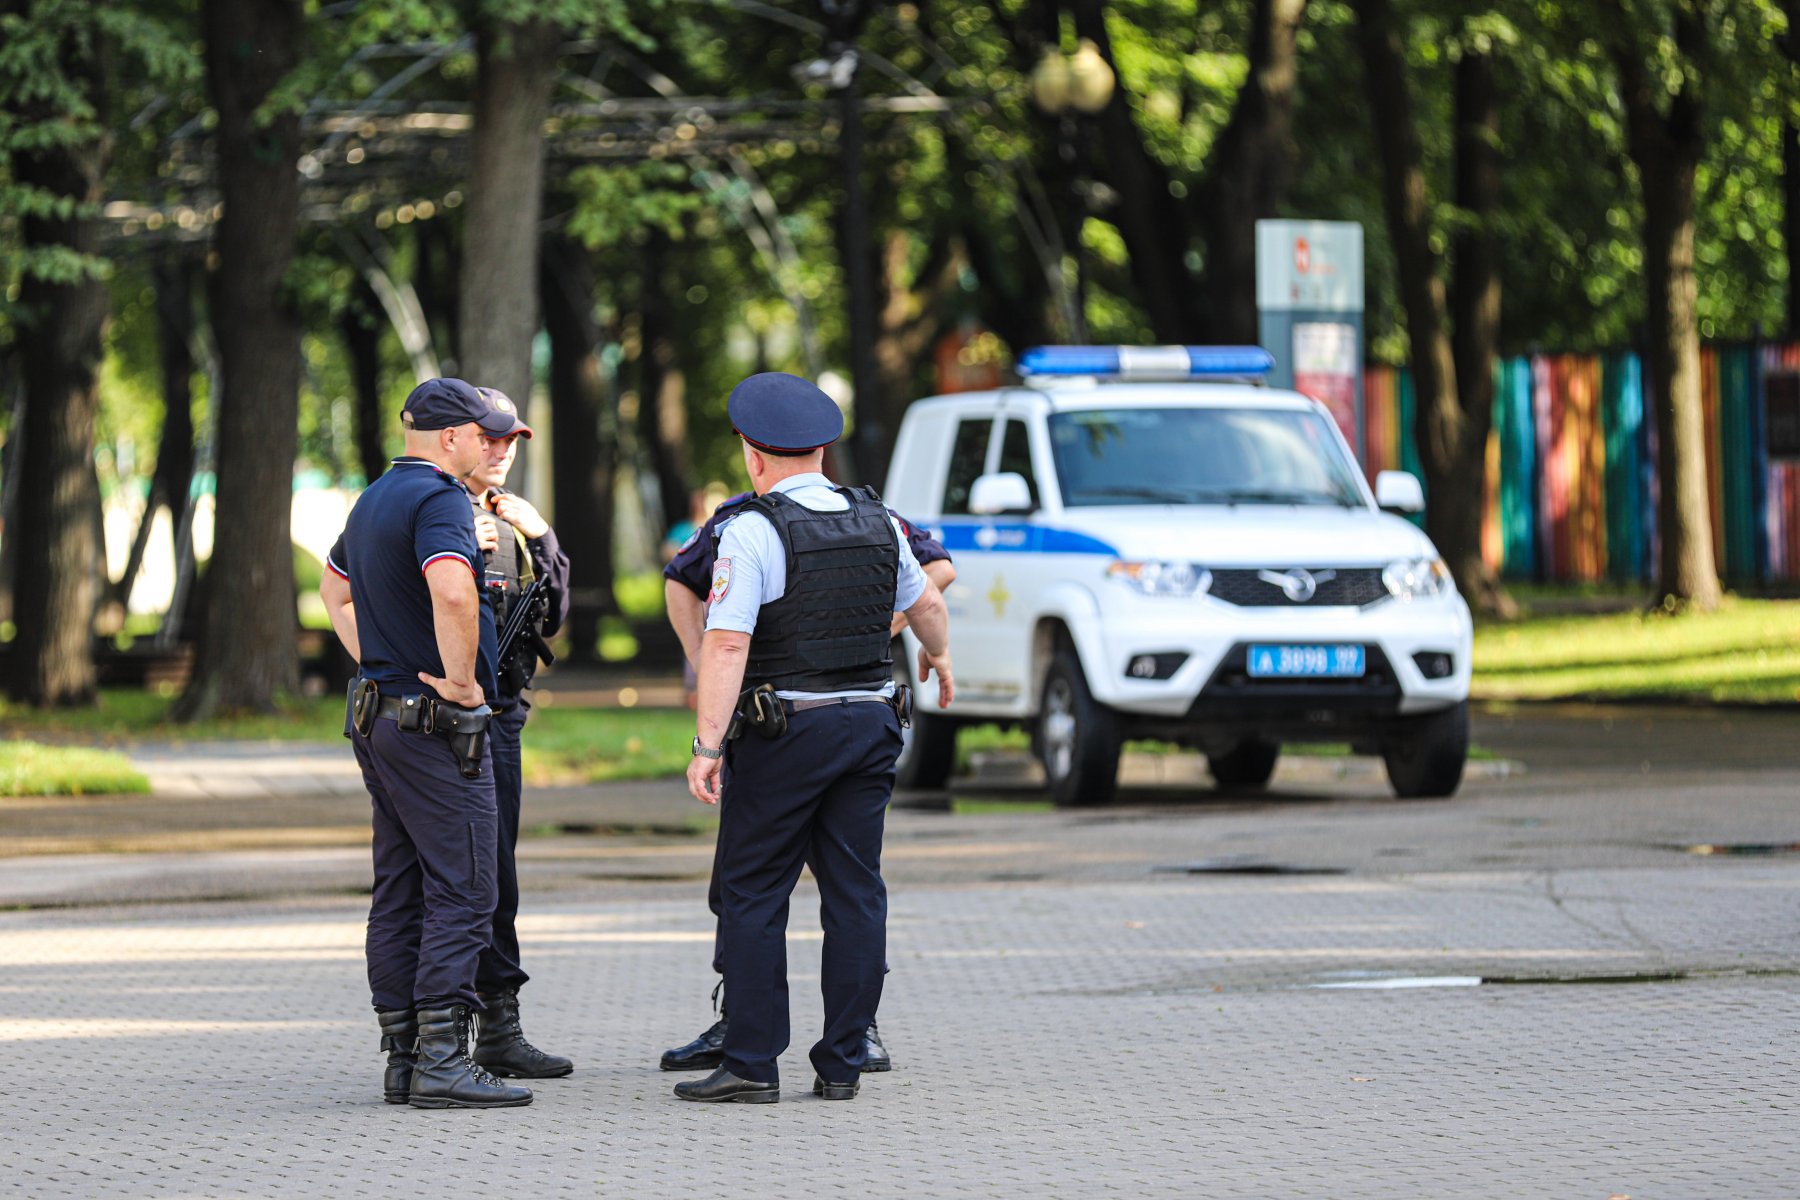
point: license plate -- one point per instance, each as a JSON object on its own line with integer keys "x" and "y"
{"x": 1306, "y": 662}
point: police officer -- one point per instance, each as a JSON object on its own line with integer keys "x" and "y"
{"x": 402, "y": 591}
{"x": 807, "y": 579}
{"x": 686, "y": 581}
{"x": 518, "y": 547}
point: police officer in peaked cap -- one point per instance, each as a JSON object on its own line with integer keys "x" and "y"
{"x": 402, "y": 589}
{"x": 794, "y": 660}
{"x": 518, "y": 549}
{"x": 687, "y": 579}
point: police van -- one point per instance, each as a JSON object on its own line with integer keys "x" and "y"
{"x": 1150, "y": 543}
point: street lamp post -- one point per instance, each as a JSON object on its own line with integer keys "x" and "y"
{"x": 1068, "y": 86}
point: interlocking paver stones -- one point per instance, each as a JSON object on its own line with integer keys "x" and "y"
{"x": 1156, "y": 1038}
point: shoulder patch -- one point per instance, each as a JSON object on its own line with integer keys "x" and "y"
{"x": 721, "y": 581}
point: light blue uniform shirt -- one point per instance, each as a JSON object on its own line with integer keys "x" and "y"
{"x": 751, "y": 570}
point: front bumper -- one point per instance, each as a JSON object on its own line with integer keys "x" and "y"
{"x": 1212, "y": 684}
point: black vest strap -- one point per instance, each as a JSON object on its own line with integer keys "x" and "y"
{"x": 829, "y": 630}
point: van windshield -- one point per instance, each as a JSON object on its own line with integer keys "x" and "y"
{"x": 1200, "y": 456}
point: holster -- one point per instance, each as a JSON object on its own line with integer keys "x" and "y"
{"x": 466, "y": 731}
{"x": 761, "y": 711}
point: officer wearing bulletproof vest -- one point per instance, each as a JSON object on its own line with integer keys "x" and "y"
{"x": 519, "y": 549}
{"x": 403, "y": 593}
{"x": 795, "y": 661}
{"x": 687, "y": 579}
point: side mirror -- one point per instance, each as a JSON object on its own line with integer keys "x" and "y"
{"x": 1400, "y": 492}
{"x": 1000, "y": 493}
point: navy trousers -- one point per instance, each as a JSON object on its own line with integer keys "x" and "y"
{"x": 432, "y": 911}
{"x": 817, "y": 795}
{"x": 499, "y": 970}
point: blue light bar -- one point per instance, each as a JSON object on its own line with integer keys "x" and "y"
{"x": 1158, "y": 362}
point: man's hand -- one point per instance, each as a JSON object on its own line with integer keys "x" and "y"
{"x": 940, "y": 663}
{"x": 518, "y": 511}
{"x": 465, "y": 695}
{"x": 705, "y": 783}
{"x": 487, "y": 533}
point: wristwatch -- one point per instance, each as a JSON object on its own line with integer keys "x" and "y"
{"x": 707, "y": 751}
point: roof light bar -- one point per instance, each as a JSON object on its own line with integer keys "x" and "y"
{"x": 1159, "y": 362}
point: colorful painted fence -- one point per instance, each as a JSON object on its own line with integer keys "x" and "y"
{"x": 1571, "y": 479}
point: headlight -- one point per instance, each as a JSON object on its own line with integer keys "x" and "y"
{"x": 1413, "y": 578}
{"x": 1157, "y": 578}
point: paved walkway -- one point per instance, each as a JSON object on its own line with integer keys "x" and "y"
{"x": 1537, "y": 989}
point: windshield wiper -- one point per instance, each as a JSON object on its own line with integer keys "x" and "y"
{"x": 1288, "y": 496}
{"x": 1166, "y": 495}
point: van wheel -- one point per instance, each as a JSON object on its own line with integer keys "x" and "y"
{"x": 1425, "y": 757}
{"x": 1078, "y": 737}
{"x": 927, "y": 753}
{"x": 1247, "y": 767}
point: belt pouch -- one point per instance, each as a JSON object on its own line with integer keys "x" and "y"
{"x": 771, "y": 714}
{"x": 412, "y": 714}
{"x": 365, "y": 704}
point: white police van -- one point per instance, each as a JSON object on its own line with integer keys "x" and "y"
{"x": 1150, "y": 544}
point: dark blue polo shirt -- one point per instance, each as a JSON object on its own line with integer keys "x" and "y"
{"x": 692, "y": 566}
{"x": 411, "y": 517}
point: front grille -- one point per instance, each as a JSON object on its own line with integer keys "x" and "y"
{"x": 1347, "y": 586}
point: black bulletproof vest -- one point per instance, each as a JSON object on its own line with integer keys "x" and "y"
{"x": 829, "y": 630}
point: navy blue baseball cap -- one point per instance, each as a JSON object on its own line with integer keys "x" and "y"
{"x": 443, "y": 403}
{"x": 784, "y": 414}
{"x": 502, "y": 403}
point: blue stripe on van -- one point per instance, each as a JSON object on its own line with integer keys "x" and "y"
{"x": 1013, "y": 537}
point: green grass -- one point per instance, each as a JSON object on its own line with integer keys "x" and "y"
{"x": 130, "y": 714}
{"x": 30, "y": 769}
{"x": 594, "y": 745}
{"x": 1748, "y": 651}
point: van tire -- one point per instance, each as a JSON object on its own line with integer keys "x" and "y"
{"x": 1425, "y": 757}
{"x": 1247, "y": 768}
{"x": 1078, "y": 738}
{"x": 927, "y": 753}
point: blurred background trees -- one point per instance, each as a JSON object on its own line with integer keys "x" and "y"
{"x": 233, "y": 235}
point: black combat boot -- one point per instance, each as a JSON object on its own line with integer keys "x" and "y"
{"x": 399, "y": 1037}
{"x": 705, "y": 1052}
{"x": 444, "y": 1077}
{"x": 500, "y": 1044}
{"x": 875, "y": 1055}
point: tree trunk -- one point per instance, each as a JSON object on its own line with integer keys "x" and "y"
{"x": 359, "y": 326}
{"x": 582, "y": 448}
{"x": 498, "y": 287}
{"x": 1251, "y": 171}
{"x": 1475, "y": 341}
{"x": 662, "y": 388}
{"x": 1440, "y": 425}
{"x": 437, "y": 267}
{"x": 1667, "y": 149}
{"x": 248, "y": 655}
{"x": 1153, "y": 224}
{"x": 52, "y": 656}
{"x": 174, "y": 473}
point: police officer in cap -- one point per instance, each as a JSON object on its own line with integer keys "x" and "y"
{"x": 402, "y": 591}
{"x": 796, "y": 644}
{"x": 687, "y": 579}
{"x": 518, "y": 548}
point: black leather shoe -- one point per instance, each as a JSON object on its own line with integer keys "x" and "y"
{"x": 400, "y": 1038}
{"x": 501, "y": 1046}
{"x": 835, "y": 1091}
{"x": 722, "y": 1087}
{"x": 704, "y": 1053}
{"x": 875, "y": 1055}
{"x": 444, "y": 1077}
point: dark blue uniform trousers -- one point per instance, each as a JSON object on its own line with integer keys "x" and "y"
{"x": 432, "y": 911}
{"x": 817, "y": 795}
{"x": 500, "y": 970}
